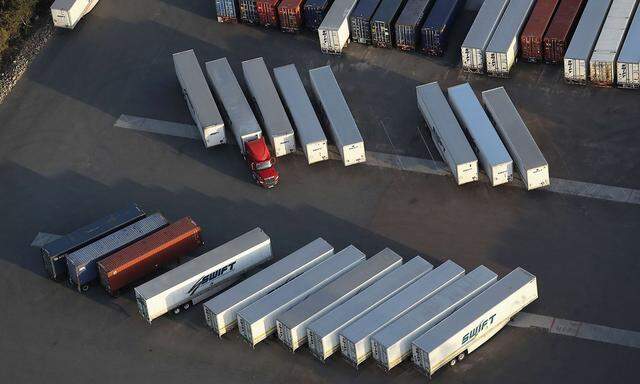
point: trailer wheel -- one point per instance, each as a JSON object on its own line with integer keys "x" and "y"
{"x": 461, "y": 356}
{"x": 186, "y": 306}
{"x": 85, "y": 288}
{"x": 176, "y": 310}
{"x": 453, "y": 362}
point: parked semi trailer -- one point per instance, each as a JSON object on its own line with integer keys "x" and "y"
{"x": 383, "y": 21}
{"x": 493, "y": 156}
{"x": 474, "y": 46}
{"x": 628, "y": 64}
{"x": 226, "y": 11}
{"x": 272, "y": 113}
{"x": 146, "y": 256}
{"x": 290, "y": 15}
{"x": 221, "y": 312}
{"x": 199, "y": 99}
{"x": 82, "y": 264}
{"x": 503, "y": 49}
{"x": 360, "y": 21}
{"x": 355, "y": 339}
{"x": 531, "y": 164}
{"x": 248, "y": 11}
{"x": 257, "y": 321}
{"x": 407, "y": 26}
{"x": 54, "y": 253}
{"x": 436, "y": 28}
{"x": 533, "y": 32}
{"x": 447, "y": 133}
{"x": 556, "y": 39}
{"x": 322, "y": 333}
{"x": 392, "y": 344}
{"x": 243, "y": 123}
{"x": 267, "y": 12}
{"x": 333, "y": 32}
{"x": 602, "y": 65}
{"x": 203, "y": 276}
{"x": 337, "y": 116}
{"x": 67, "y": 13}
{"x": 292, "y": 325}
{"x": 576, "y": 59}
{"x": 475, "y": 323}
{"x": 305, "y": 120}
{"x": 314, "y": 12}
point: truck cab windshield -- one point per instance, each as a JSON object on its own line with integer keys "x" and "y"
{"x": 263, "y": 165}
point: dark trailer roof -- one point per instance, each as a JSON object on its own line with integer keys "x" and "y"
{"x": 414, "y": 12}
{"x": 442, "y": 14}
{"x": 365, "y": 9}
{"x": 322, "y": 4}
{"x": 388, "y": 10}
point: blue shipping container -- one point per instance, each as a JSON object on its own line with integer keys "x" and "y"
{"x": 383, "y": 22}
{"x": 314, "y": 12}
{"x": 436, "y": 28}
{"x": 409, "y": 22}
{"x": 360, "y": 21}
{"x": 226, "y": 11}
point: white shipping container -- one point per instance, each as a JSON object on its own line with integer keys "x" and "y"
{"x": 628, "y": 65}
{"x": 503, "y": 49}
{"x": 602, "y": 65}
{"x": 532, "y": 165}
{"x": 272, "y": 113}
{"x": 199, "y": 99}
{"x": 67, "y": 13}
{"x": 485, "y": 140}
{"x": 200, "y": 278}
{"x": 475, "y": 44}
{"x": 305, "y": 120}
{"x": 292, "y": 325}
{"x": 476, "y": 322}
{"x": 322, "y": 333}
{"x": 392, "y": 344}
{"x": 355, "y": 339}
{"x": 576, "y": 59}
{"x": 258, "y": 320}
{"x": 221, "y": 311}
{"x": 333, "y": 32}
{"x": 447, "y": 133}
{"x": 337, "y": 116}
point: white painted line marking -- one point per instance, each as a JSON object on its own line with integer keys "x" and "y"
{"x": 43, "y": 238}
{"x": 578, "y": 329}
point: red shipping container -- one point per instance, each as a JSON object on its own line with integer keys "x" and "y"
{"x": 531, "y": 37}
{"x": 147, "y": 255}
{"x": 290, "y": 15}
{"x": 268, "y": 12}
{"x": 564, "y": 22}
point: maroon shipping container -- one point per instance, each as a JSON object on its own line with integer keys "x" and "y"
{"x": 147, "y": 255}
{"x": 268, "y": 12}
{"x": 531, "y": 37}
{"x": 559, "y": 33}
{"x": 289, "y": 13}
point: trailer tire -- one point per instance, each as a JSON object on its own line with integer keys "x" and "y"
{"x": 453, "y": 362}
{"x": 176, "y": 310}
{"x": 461, "y": 356}
{"x": 85, "y": 288}
{"x": 186, "y": 306}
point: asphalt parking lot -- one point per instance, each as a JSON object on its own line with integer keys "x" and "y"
{"x": 62, "y": 163}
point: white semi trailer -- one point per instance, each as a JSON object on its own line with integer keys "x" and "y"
{"x": 67, "y": 13}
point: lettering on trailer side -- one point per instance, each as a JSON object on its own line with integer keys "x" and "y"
{"x": 477, "y": 329}
{"x": 211, "y": 277}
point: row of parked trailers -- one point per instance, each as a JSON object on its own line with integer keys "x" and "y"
{"x": 279, "y": 106}
{"x": 464, "y": 133}
{"x": 379, "y": 307}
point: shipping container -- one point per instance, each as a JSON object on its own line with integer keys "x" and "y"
{"x": 269, "y": 106}
{"x": 476, "y": 322}
{"x": 308, "y": 128}
{"x": 447, "y": 133}
{"x": 531, "y": 37}
{"x": 602, "y": 65}
{"x": 67, "y": 13}
{"x": 474, "y": 47}
{"x": 392, "y": 344}
{"x": 199, "y": 99}
{"x": 54, "y": 253}
{"x": 290, "y": 15}
{"x": 576, "y": 59}
{"x": 314, "y": 12}
{"x": 82, "y": 264}
{"x": 203, "y": 276}
{"x": 240, "y": 117}
{"x": 221, "y": 312}
{"x": 383, "y": 21}
{"x": 407, "y": 27}
{"x": 628, "y": 66}
{"x": 559, "y": 33}
{"x": 503, "y": 49}
{"x": 337, "y": 116}
{"x": 486, "y": 143}
{"x": 360, "y": 21}
{"x": 322, "y": 333}
{"x": 146, "y": 256}
{"x": 292, "y": 324}
{"x": 355, "y": 339}
{"x": 524, "y": 151}
{"x": 267, "y": 12}
{"x": 226, "y": 11}
{"x": 333, "y": 32}
{"x": 248, "y": 11}
{"x": 436, "y": 28}
{"x": 257, "y": 321}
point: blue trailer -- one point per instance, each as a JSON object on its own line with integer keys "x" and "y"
{"x": 360, "y": 21}
{"x": 314, "y": 12}
{"x": 226, "y": 11}
{"x": 383, "y": 22}
{"x": 408, "y": 24}
{"x": 435, "y": 30}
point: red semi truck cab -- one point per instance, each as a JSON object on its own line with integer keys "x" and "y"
{"x": 261, "y": 163}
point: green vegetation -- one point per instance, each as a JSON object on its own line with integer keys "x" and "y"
{"x": 15, "y": 19}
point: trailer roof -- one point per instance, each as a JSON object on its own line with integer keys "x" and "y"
{"x": 613, "y": 30}
{"x": 365, "y": 9}
{"x": 588, "y": 29}
{"x": 442, "y": 14}
{"x": 630, "y": 52}
{"x": 485, "y": 23}
{"x": 414, "y": 12}
{"x": 511, "y": 23}
{"x": 339, "y": 11}
{"x": 387, "y": 10}
{"x": 63, "y": 4}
